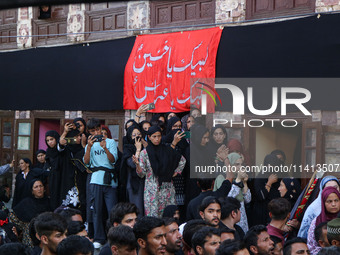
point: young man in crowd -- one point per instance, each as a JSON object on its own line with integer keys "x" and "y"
{"x": 227, "y": 234}
{"x": 122, "y": 214}
{"x": 296, "y": 246}
{"x": 230, "y": 215}
{"x": 279, "y": 212}
{"x": 122, "y": 241}
{"x": 206, "y": 241}
{"x": 320, "y": 234}
{"x": 206, "y": 186}
{"x": 75, "y": 245}
{"x": 100, "y": 156}
{"x": 210, "y": 210}
{"x": 51, "y": 229}
{"x": 258, "y": 241}
{"x": 150, "y": 233}
{"x": 278, "y": 247}
{"x": 173, "y": 237}
{"x": 333, "y": 230}
{"x": 232, "y": 247}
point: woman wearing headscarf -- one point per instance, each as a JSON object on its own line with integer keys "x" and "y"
{"x": 330, "y": 207}
{"x": 290, "y": 189}
{"x": 158, "y": 163}
{"x": 314, "y": 208}
{"x": 40, "y": 154}
{"x": 53, "y": 167}
{"x": 29, "y": 208}
{"x": 132, "y": 183}
{"x": 266, "y": 188}
{"x": 128, "y": 124}
{"x": 239, "y": 188}
{"x": 23, "y": 180}
{"x": 218, "y": 137}
{"x": 80, "y": 124}
{"x": 235, "y": 145}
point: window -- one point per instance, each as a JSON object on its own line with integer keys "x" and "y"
{"x": 8, "y": 27}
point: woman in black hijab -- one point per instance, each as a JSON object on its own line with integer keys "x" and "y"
{"x": 129, "y": 123}
{"x": 29, "y": 208}
{"x": 23, "y": 180}
{"x": 158, "y": 163}
{"x": 218, "y": 137}
{"x": 133, "y": 185}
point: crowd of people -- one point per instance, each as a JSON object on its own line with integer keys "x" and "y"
{"x": 84, "y": 195}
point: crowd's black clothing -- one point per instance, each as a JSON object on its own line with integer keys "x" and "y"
{"x": 53, "y": 167}
{"x": 22, "y": 185}
{"x": 105, "y": 250}
{"x": 31, "y": 207}
{"x": 238, "y": 234}
{"x": 193, "y": 207}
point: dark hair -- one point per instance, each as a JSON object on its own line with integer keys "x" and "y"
{"x": 118, "y": 212}
{"x": 199, "y": 238}
{"x": 318, "y": 231}
{"x": 48, "y": 222}
{"x": 74, "y": 245}
{"x": 14, "y": 249}
{"x": 279, "y": 152}
{"x": 226, "y": 230}
{"x": 287, "y": 249}
{"x": 122, "y": 236}
{"x": 230, "y": 247}
{"x": 168, "y": 221}
{"x": 207, "y": 201}
{"x": 332, "y": 250}
{"x": 279, "y": 208}
{"x": 205, "y": 183}
{"x": 251, "y": 236}
{"x": 27, "y": 161}
{"x": 74, "y": 227}
{"x": 275, "y": 239}
{"x": 190, "y": 228}
{"x": 67, "y": 213}
{"x": 93, "y": 123}
{"x": 32, "y": 232}
{"x": 145, "y": 225}
{"x": 229, "y": 205}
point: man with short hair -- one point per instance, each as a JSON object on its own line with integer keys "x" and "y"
{"x": 173, "y": 237}
{"x": 206, "y": 241}
{"x": 230, "y": 215}
{"x": 258, "y": 241}
{"x": 320, "y": 234}
{"x": 51, "y": 229}
{"x": 150, "y": 233}
{"x": 122, "y": 240}
{"x": 296, "y": 246}
{"x": 100, "y": 156}
{"x": 125, "y": 214}
{"x": 75, "y": 245}
{"x": 232, "y": 247}
{"x": 279, "y": 212}
{"x": 333, "y": 230}
{"x": 210, "y": 210}
{"x": 227, "y": 234}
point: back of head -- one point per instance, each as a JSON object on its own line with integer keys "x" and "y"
{"x": 333, "y": 230}
{"x": 199, "y": 238}
{"x": 230, "y": 247}
{"x": 279, "y": 208}
{"x": 32, "y": 232}
{"x": 333, "y": 250}
{"x": 93, "y": 123}
{"x": 48, "y": 222}
{"x": 191, "y": 228}
{"x": 67, "y": 213}
{"x": 122, "y": 236}
{"x": 318, "y": 231}
{"x": 14, "y": 249}
{"x": 205, "y": 183}
{"x": 287, "y": 249}
{"x": 120, "y": 210}
{"x": 251, "y": 236}
{"x": 145, "y": 225}
{"x": 207, "y": 201}
{"x": 74, "y": 245}
{"x": 74, "y": 227}
{"x": 229, "y": 205}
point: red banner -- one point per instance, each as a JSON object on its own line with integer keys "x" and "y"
{"x": 161, "y": 67}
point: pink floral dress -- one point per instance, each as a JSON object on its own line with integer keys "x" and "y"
{"x": 156, "y": 198}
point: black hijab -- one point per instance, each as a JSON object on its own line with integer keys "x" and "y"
{"x": 31, "y": 206}
{"x": 213, "y": 145}
{"x": 199, "y": 155}
{"x": 163, "y": 159}
{"x": 169, "y": 137}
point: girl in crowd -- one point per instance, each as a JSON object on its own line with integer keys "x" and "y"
{"x": 23, "y": 179}
{"x": 29, "y": 208}
{"x": 330, "y": 207}
{"x": 106, "y": 132}
{"x": 314, "y": 208}
{"x": 128, "y": 176}
{"x": 158, "y": 164}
